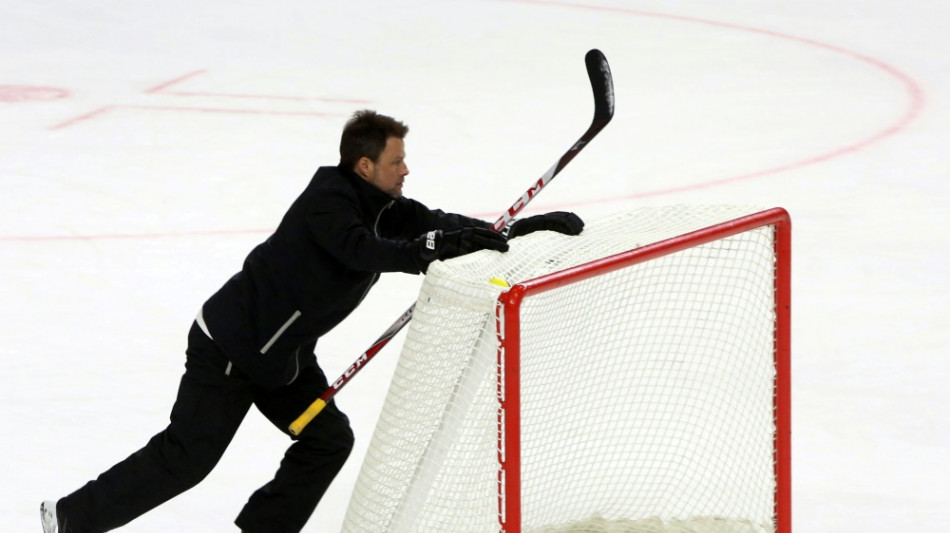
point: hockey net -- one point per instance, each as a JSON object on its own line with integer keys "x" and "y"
{"x": 633, "y": 379}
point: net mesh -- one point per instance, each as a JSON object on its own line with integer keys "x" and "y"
{"x": 646, "y": 393}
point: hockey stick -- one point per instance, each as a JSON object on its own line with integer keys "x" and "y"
{"x": 603, "y": 88}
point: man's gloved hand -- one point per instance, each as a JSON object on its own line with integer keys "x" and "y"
{"x": 439, "y": 244}
{"x": 559, "y": 221}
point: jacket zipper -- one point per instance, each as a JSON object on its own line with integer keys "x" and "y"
{"x": 376, "y": 234}
{"x": 297, "y": 363}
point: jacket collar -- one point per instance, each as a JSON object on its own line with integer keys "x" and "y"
{"x": 372, "y": 199}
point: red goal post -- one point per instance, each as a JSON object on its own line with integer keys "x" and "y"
{"x": 508, "y": 328}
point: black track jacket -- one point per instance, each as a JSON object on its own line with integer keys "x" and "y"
{"x": 325, "y": 255}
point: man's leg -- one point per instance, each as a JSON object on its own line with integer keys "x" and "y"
{"x": 285, "y": 504}
{"x": 206, "y": 415}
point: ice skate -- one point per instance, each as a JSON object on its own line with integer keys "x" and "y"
{"x": 48, "y": 516}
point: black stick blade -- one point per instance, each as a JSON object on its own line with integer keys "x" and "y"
{"x": 602, "y": 84}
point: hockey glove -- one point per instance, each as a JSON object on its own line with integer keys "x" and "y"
{"x": 439, "y": 244}
{"x": 559, "y": 221}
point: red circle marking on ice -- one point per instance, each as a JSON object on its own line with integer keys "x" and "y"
{"x": 30, "y": 93}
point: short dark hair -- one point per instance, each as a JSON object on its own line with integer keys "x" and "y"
{"x": 365, "y": 135}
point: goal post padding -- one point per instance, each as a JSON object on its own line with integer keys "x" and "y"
{"x": 615, "y": 394}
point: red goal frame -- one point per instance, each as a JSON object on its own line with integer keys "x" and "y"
{"x": 508, "y": 324}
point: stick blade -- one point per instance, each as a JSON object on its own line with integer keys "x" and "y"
{"x": 602, "y": 84}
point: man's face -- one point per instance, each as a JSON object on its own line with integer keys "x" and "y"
{"x": 389, "y": 173}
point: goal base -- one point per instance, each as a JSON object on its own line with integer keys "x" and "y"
{"x": 656, "y": 525}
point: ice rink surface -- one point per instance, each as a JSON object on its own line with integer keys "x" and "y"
{"x": 148, "y": 146}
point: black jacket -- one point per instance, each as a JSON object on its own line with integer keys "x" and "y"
{"x": 319, "y": 264}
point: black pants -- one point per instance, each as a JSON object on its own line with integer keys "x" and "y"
{"x": 206, "y": 415}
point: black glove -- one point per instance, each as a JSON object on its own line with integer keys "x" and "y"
{"x": 559, "y": 221}
{"x": 440, "y": 244}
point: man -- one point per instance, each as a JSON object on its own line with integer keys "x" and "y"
{"x": 253, "y": 341}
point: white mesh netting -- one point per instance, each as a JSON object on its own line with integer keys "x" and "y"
{"x": 646, "y": 393}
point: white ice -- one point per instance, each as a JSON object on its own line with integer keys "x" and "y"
{"x": 147, "y": 146}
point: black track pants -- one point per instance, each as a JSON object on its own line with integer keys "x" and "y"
{"x": 206, "y": 415}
